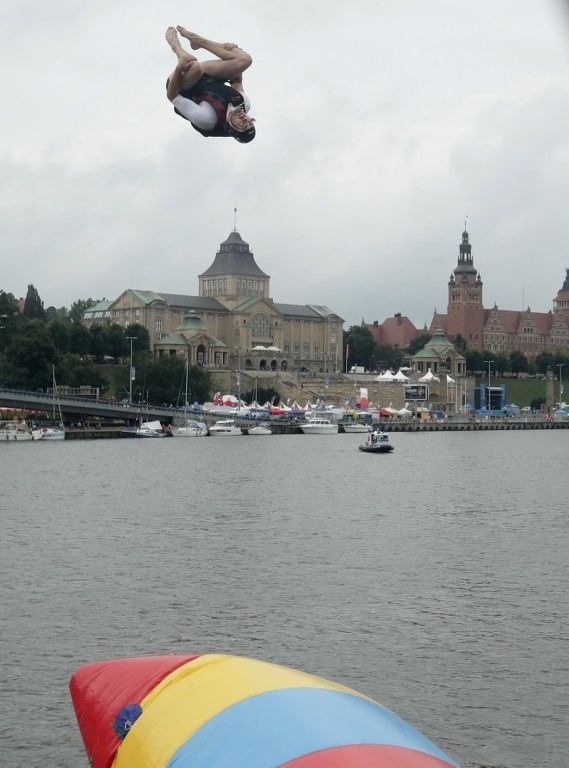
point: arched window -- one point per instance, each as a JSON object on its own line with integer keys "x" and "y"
{"x": 261, "y": 328}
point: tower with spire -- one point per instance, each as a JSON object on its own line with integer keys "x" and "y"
{"x": 465, "y": 314}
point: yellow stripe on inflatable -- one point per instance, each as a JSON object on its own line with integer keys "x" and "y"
{"x": 196, "y": 692}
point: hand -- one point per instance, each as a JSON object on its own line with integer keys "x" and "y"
{"x": 186, "y": 62}
{"x": 230, "y": 46}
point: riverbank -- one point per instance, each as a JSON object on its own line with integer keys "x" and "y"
{"x": 284, "y": 428}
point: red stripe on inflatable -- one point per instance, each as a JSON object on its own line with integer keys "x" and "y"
{"x": 367, "y": 756}
{"x": 100, "y": 690}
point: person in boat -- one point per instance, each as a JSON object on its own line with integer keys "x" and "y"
{"x": 199, "y": 90}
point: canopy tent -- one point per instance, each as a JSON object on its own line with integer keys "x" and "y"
{"x": 429, "y": 376}
{"x": 385, "y": 376}
{"x": 400, "y": 376}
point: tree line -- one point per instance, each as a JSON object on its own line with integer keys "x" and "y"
{"x": 365, "y": 351}
{"x": 34, "y": 341}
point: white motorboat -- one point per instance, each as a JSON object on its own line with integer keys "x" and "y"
{"x": 50, "y": 433}
{"x": 15, "y": 431}
{"x": 148, "y": 429}
{"x": 192, "y": 429}
{"x": 260, "y": 429}
{"x": 319, "y": 425}
{"x": 359, "y": 427}
{"x": 225, "y": 427}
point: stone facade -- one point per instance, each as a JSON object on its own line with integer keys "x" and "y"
{"x": 233, "y": 323}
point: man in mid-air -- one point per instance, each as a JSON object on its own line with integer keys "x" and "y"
{"x": 199, "y": 92}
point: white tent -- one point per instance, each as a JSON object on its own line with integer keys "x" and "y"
{"x": 404, "y": 412}
{"x": 429, "y": 376}
{"x": 385, "y": 376}
{"x": 400, "y": 376}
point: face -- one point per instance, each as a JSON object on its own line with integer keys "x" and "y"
{"x": 240, "y": 120}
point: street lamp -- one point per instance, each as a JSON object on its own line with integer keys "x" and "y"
{"x": 131, "y": 371}
{"x": 489, "y": 362}
{"x": 560, "y": 366}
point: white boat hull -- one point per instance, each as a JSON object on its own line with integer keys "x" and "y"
{"x": 318, "y": 427}
{"x": 49, "y": 434}
{"x": 197, "y": 429}
{"x": 259, "y": 430}
{"x": 15, "y": 436}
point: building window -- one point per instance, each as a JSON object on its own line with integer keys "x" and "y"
{"x": 286, "y": 348}
{"x": 261, "y": 327}
{"x": 305, "y": 350}
{"x": 158, "y": 326}
{"x": 315, "y": 350}
{"x": 297, "y": 350}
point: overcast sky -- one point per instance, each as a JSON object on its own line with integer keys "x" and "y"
{"x": 380, "y": 127}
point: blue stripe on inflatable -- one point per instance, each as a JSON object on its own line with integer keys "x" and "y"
{"x": 272, "y": 728}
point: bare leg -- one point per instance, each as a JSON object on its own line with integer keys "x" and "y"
{"x": 189, "y": 70}
{"x": 232, "y": 61}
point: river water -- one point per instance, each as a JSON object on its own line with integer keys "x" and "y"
{"x": 434, "y": 579}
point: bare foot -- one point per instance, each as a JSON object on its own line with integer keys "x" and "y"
{"x": 172, "y": 39}
{"x": 191, "y": 36}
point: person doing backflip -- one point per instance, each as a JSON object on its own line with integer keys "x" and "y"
{"x": 199, "y": 92}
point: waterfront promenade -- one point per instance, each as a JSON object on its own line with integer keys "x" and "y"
{"x": 452, "y": 425}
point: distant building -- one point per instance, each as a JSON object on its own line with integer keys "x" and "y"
{"x": 233, "y": 323}
{"x": 396, "y": 331}
{"x": 439, "y": 356}
{"x": 494, "y": 330}
{"x": 499, "y": 330}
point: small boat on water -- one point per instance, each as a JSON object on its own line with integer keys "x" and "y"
{"x": 377, "y": 442}
{"x": 260, "y": 429}
{"x": 358, "y": 427}
{"x": 225, "y": 427}
{"x": 50, "y": 433}
{"x": 318, "y": 425}
{"x": 15, "y": 431}
{"x": 203, "y": 710}
{"x": 192, "y": 429}
{"x": 149, "y": 429}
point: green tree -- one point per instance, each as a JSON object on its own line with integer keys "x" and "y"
{"x": 518, "y": 362}
{"x": 474, "y": 360}
{"x": 116, "y": 344}
{"x": 30, "y": 356}
{"x": 141, "y": 342}
{"x": 385, "y": 356}
{"x": 545, "y": 361}
{"x": 79, "y": 307}
{"x": 417, "y": 344}
{"x": 164, "y": 380}
{"x": 361, "y": 343}
{"x": 79, "y": 339}
{"x": 98, "y": 341}
{"x": 60, "y": 334}
{"x": 501, "y": 362}
{"x": 75, "y": 371}
{"x": 33, "y": 305}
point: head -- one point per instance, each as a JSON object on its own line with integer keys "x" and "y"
{"x": 241, "y": 126}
